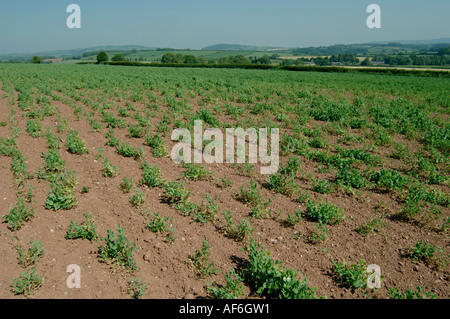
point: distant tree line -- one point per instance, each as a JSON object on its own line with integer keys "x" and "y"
{"x": 234, "y": 59}
{"x": 293, "y": 62}
{"x": 179, "y": 58}
{"x": 442, "y": 58}
{"x": 172, "y": 58}
{"x": 343, "y": 58}
{"x": 330, "y": 50}
{"x": 368, "y": 48}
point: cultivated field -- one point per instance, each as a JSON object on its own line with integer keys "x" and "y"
{"x": 87, "y": 180}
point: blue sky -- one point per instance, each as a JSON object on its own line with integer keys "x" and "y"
{"x": 33, "y": 26}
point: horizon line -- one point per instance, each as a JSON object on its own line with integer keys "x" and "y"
{"x": 249, "y": 45}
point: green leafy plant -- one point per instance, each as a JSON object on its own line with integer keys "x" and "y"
{"x": 31, "y": 255}
{"x": 127, "y": 184}
{"x": 262, "y": 210}
{"x": 85, "y": 230}
{"x": 34, "y": 127}
{"x": 401, "y": 152}
{"x": 318, "y": 142}
{"x": 207, "y": 116}
{"x": 196, "y": 172}
{"x": 319, "y": 235}
{"x": 61, "y": 124}
{"x": 159, "y": 224}
{"x": 186, "y": 207}
{"x": 324, "y": 212}
{"x": 233, "y": 289}
{"x": 138, "y": 199}
{"x": 53, "y": 164}
{"x": 85, "y": 190}
{"x": 19, "y": 214}
{"x": 303, "y": 197}
{"x": 321, "y": 186}
{"x": 28, "y": 193}
{"x": 152, "y": 176}
{"x": 428, "y": 253}
{"x": 95, "y": 125}
{"x": 113, "y": 141}
{"x": 241, "y": 232}
{"x": 53, "y": 140}
{"x": 350, "y": 177}
{"x": 200, "y": 262}
{"x": 118, "y": 251}
{"x": 75, "y": 144}
{"x": 112, "y": 121}
{"x": 175, "y": 192}
{"x": 19, "y": 169}
{"x": 251, "y": 196}
{"x": 247, "y": 168}
{"x": 390, "y": 180}
{"x": 158, "y": 146}
{"x": 207, "y": 211}
{"x": 108, "y": 169}
{"x": 294, "y": 218}
{"x": 62, "y": 192}
{"x": 26, "y": 283}
{"x": 282, "y": 182}
{"x": 136, "y": 288}
{"x": 418, "y": 293}
{"x": 225, "y": 182}
{"x": 127, "y": 150}
{"x": 374, "y": 225}
{"x": 272, "y": 279}
{"x": 351, "y": 275}
{"x": 136, "y": 131}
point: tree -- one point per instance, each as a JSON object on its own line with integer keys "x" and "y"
{"x": 36, "y": 60}
{"x": 190, "y": 59}
{"x": 239, "y": 59}
{"x": 102, "y": 57}
{"x": 169, "y": 57}
{"x": 180, "y": 58}
{"x": 444, "y": 51}
{"x": 366, "y": 62}
{"x": 118, "y": 57}
{"x": 224, "y": 60}
{"x": 262, "y": 60}
{"x": 321, "y": 61}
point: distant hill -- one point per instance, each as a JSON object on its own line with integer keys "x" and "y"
{"x": 239, "y": 47}
{"x": 360, "y": 48}
{"x": 97, "y": 48}
{"x": 434, "y": 41}
{"x": 375, "y": 48}
{"x": 72, "y": 52}
{"x": 218, "y": 50}
{"x": 75, "y": 52}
